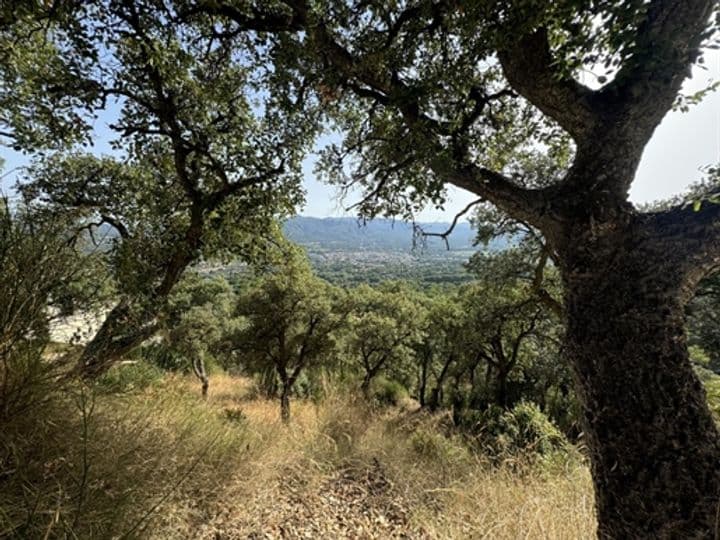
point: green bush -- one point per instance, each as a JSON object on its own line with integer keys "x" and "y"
{"x": 438, "y": 449}
{"x": 388, "y": 392}
{"x": 162, "y": 356}
{"x": 128, "y": 377}
{"x": 524, "y": 428}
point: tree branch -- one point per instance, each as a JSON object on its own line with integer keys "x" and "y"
{"x": 444, "y": 235}
{"x": 689, "y": 236}
{"x": 543, "y": 295}
{"x": 530, "y": 69}
{"x": 667, "y": 43}
{"x": 248, "y": 17}
{"x": 367, "y": 80}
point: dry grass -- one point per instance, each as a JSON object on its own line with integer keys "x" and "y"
{"x": 165, "y": 464}
{"x": 450, "y": 491}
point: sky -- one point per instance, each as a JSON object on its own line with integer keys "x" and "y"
{"x": 672, "y": 160}
{"x": 679, "y": 148}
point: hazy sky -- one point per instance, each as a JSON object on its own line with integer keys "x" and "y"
{"x": 681, "y": 145}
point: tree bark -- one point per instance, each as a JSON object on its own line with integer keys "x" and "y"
{"x": 653, "y": 444}
{"x": 365, "y": 385}
{"x": 422, "y": 386}
{"x": 126, "y": 327}
{"x": 119, "y": 334}
{"x": 285, "y": 405}
{"x": 501, "y": 397}
{"x": 199, "y": 370}
{"x": 436, "y": 395}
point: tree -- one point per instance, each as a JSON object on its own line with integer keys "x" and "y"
{"x": 443, "y": 346}
{"x": 436, "y": 93}
{"x": 199, "y": 322}
{"x": 208, "y": 149}
{"x": 503, "y": 321}
{"x": 383, "y": 324}
{"x": 513, "y": 303}
{"x": 291, "y": 319}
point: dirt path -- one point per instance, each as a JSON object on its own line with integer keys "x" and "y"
{"x": 348, "y": 503}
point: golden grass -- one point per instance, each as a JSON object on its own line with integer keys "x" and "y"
{"x": 165, "y": 464}
{"x": 453, "y": 493}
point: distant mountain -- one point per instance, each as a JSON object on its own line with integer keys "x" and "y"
{"x": 349, "y": 234}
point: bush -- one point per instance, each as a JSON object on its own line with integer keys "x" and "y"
{"x": 129, "y": 376}
{"x": 162, "y": 356}
{"x": 434, "y": 447}
{"x": 524, "y": 428}
{"x": 388, "y": 392}
{"x": 343, "y": 422}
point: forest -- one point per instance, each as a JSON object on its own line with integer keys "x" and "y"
{"x": 563, "y": 384}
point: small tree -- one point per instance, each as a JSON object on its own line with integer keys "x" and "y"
{"x": 501, "y": 321}
{"x": 198, "y": 323}
{"x": 443, "y": 345}
{"x": 291, "y": 318}
{"x": 383, "y": 325}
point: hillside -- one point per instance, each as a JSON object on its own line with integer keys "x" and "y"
{"x": 345, "y": 250}
{"x": 340, "y": 234}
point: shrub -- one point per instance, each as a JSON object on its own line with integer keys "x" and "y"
{"x": 524, "y": 428}
{"x": 162, "y": 356}
{"x": 129, "y": 376}
{"x": 436, "y": 448}
{"x": 343, "y": 422}
{"x": 388, "y": 392}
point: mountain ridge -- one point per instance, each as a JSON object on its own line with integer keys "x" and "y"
{"x": 382, "y": 234}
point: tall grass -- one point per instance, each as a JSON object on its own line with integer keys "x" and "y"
{"x": 162, "y": 463}
{"x": 98, "y": 465}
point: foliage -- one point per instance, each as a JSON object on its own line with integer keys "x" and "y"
{"x": 383, "y": 324}
{"x": 43, "y": 267}
{"x": 207, "y": 148}
{"x": 291, "y": 316}
{"x": 199, "y": 320}
{"x": 524, "y": 428}
{"x": 703, "y": 324}
{"x": 388, "y": 392}
{"x": 131, "y": 376}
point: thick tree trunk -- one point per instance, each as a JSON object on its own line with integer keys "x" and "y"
{"x": 435, "y": 399}
{"x": 126, "y": 327}
{"x": 120, "y": 333}
{"x": 654, "y": 447}
{"x": 501, "y": 397}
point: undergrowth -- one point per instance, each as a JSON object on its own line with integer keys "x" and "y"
{"x": 159, "y": 462}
